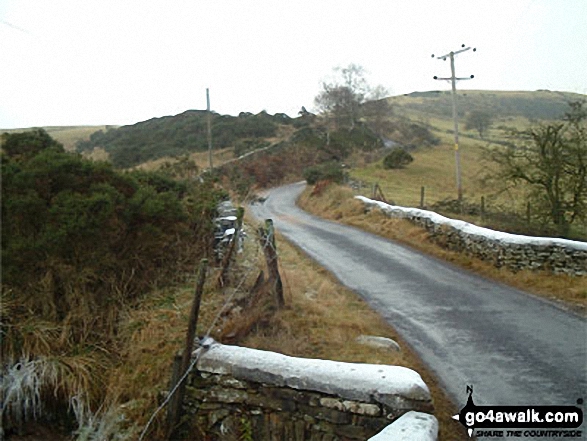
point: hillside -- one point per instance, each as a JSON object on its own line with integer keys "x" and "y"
{"x": 541, "y": 104}
{"x": 430, "y": 179}
{"x": 170, "y": 136}
{"x": 186, "y": 133}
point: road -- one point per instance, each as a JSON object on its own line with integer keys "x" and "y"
{"x": 514, "y": 348}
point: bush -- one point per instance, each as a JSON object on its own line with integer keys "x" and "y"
{"x": 79, "y": 236}
{"x": 398, "y": 158}
{"x": 330, "y": 171}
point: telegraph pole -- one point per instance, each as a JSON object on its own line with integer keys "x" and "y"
{"x": 453, "y": 79}
{"x": 209, "y": 120}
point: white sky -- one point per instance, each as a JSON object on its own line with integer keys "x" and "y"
{"x": 74, "y": 62}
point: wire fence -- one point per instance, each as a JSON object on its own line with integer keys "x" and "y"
{"x": 514, "y": 216}
{"x": 206, "y": 341}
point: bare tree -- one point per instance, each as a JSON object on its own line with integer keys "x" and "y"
{"x": 478, "y": 120}
{"x": 551, "y": 160}
{"x": 377, "y": 111}
{"x": 343, "y": 97}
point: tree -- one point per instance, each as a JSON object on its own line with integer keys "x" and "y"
{"x": 551, "y": 160}
{"x": 343, "y": 97}
{"x": 378, "y": 110}
{"x": 22, "y": 146}
{"x": 478, "y": 120}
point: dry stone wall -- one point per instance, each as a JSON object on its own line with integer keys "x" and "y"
{"x": 240, "y": 393}
{"x": 512, "y": 251}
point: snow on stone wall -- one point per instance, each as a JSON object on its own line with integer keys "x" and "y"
{"x": 237, "y": 390}
{"x": 513, "y": 251}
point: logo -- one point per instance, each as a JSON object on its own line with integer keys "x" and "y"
{"x": 546, "y": 421}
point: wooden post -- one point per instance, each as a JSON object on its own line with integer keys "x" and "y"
{"x": 209, "y": 124}
{"x": 270, "y": 250}
{"x": 177, "y": 399}
{"x": 482, "y": 207}
{"x": 173, "y": 408}
{"x": 528, "y": 212}
{"x": 422, "y": 190}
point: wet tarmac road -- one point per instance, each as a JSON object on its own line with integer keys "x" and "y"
{"x": 514, "y": 348}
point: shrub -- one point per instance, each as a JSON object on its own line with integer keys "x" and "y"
{"x": 398, "y": 158}
{"x": 330, "y": 171}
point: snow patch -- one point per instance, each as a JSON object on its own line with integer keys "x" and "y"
{"x": 474, "y": 230}
{"x": 357, "y": 381}
{"x": 412, "y": 426}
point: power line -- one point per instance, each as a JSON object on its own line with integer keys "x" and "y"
{"x": 453, "y": 79}
{"x": 15, "y": 27}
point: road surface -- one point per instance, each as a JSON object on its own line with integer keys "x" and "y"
{"x": 514, "y": 348}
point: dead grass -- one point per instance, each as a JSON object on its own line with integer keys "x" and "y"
{"x": 323, "y": 319}
{"x": 152, "y": 333}
{"x": 337, "y": 203}
{"x": 219, "y": 157}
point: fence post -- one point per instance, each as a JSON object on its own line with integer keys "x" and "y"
{"x": 482, "y": 207}
{"x": 422, "y": 191}
{"x": 270, "y": 250}
{"x": 528, "y": 212}
{"x": 174, "y": 404}
{"x": 177, "y": 400}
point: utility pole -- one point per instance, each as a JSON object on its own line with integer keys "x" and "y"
{"x": 453, "y": 79}
{"x": 209, "y": 115}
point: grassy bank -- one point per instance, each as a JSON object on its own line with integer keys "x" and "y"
{"x": 321, "y": 319}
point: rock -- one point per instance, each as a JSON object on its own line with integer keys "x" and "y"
{"x": 379, "y": 342}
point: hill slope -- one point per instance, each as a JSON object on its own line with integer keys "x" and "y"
{"x": 132, "y": 145}
{"x": 541, "y": 104}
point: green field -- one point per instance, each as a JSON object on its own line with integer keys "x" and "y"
{"x": 434, "y": 168}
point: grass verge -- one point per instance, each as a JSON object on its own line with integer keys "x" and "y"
{"x": 338, "y": 203}
{"x": 323, "y": 320}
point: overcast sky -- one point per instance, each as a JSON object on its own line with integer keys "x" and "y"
{"x": 74, "y": 62}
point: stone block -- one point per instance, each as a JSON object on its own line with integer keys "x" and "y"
{"x": 232, "y": 382}
{"x": 351, "y": 432}
{"x": 267, "y": 402}
{"x": 225, "y": 395}
{"x": 217, "y": 415}
{"x": 322, "y": 413}
{"x": 379, "y": 342}
{"x": 332, "y": 403}
{"x": 361, "y": 408}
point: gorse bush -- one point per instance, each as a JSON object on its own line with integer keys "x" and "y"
{"x": 180, "y": 134}
{"x": 80, "y": 242}
{"x": 330, "y": 171}
{"x": 398, "y": 158}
